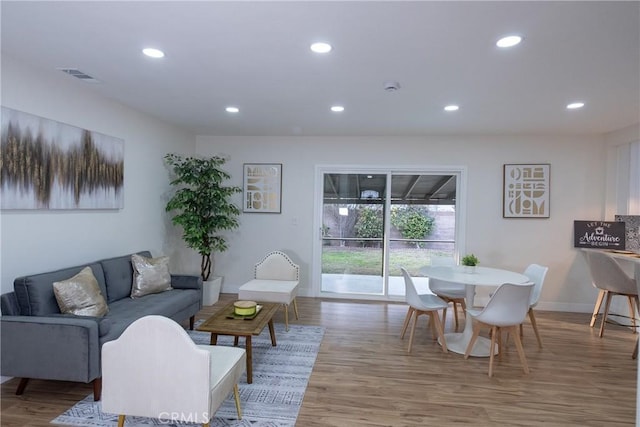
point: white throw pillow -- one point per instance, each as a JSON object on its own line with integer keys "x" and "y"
{"x": 150, "y": 275}
{"x": 80, "y": 295}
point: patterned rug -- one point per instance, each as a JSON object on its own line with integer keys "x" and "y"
{"x": 280, "y": 377}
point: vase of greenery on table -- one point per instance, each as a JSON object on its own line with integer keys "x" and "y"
{"x": 470, "y": 261}
{"x": 202, "y": 206}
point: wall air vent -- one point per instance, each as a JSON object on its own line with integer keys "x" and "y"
{"x": 79, "y": 75}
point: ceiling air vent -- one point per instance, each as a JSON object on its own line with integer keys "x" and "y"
{"x": 78, "y": 74}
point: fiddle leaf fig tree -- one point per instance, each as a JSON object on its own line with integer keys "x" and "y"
{"x": 202, "y": 205}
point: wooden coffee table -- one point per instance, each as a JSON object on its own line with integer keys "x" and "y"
{"x": 220, "y": 324}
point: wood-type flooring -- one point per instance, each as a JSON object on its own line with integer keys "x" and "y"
{"x": 363, "y": 375}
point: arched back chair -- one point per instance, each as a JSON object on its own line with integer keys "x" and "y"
{"x": 276, "y": 280}
{"x": 154, "y": 369}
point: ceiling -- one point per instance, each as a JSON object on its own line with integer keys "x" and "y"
{"x": 255, "y": 55}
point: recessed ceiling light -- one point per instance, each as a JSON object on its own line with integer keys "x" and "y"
{"x": 575, "y": 105}
{"x": 232, "y": 110}
{"x": 451, "y": 108}
{"x": 153, "y": 53}
{"x": 509, "y": 41}
{"x": 321, "y": 47}
{"x": 337, "y": 108}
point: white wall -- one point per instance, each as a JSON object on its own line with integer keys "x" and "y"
{"x": 37, "y": 241}
{"x": 577, "y": 192}
{"x": 33, "y": 241}
{"x": 621, "y": 176}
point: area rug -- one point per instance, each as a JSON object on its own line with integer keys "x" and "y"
{"x": 280, "y": 377}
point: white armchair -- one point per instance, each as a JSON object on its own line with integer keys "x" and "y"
{"x": 156, "y": 370}
{"x": 276, "y": 280}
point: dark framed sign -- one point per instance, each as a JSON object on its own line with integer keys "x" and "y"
{"x": 599, "y": 234}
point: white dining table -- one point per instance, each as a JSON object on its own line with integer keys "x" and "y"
{"x": 480, "y": 276}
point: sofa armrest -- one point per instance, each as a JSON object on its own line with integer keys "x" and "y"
{"x": 53, "y": 348}
{"x": 183, "y": 281}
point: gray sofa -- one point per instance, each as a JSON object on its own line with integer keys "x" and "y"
{"x": 40, "y": 342}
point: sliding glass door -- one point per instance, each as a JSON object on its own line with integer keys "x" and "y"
{"x": 353, "y": 233}
{"x": 372, "y": 222}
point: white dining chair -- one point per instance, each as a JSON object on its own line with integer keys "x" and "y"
{"x": 536, "y": 273}
{"x": 422, "y": 304}
{"x": 453, "y": 293}
{"x": 507, "y": 309}
{"x": 610, "y": 278}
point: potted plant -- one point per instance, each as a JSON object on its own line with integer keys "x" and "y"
{"x": 470, "y": 261}
{"x": 203, "y": 208}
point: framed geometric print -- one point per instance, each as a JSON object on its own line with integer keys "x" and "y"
{"x": 526, "y": 189}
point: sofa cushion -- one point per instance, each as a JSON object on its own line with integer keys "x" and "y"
{"x": 126, "y": 311}
{"x": 150, "y": 275}
{"x": 118, "y": 273}
{"x": 35, "y": 292}
{"x": 80, "y": 295}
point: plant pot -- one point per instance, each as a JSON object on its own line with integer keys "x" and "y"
{"x": 211, "y": 291}
{"x": 469, "y": 269}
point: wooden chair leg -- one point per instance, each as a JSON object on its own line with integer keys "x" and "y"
{"x": 444, "y": 315}
{"x": 635, "y": 350}
{"x": 492, "y": 349}
{"x": 286, "y": 317}
{"x": 236, "y": 396}
{"x": 413, "y": 329}
{"x": 295, "y": 309}
{"x": 523, "y": 359}
{"x": 532, "y": 318}
{"x": 501, "y": 349}
{"x": 431, "y": 324}
{"x": 440, "y": 329}
{"x": 121, "y": 420}
{"x": 632, "y": 312}
{"x": 596, "y": 308}
{"x": 474, "y": 337}
{"x": 605, "y": 314}
{"x": 406, "y": 322}
{"x": 455, "y": 314}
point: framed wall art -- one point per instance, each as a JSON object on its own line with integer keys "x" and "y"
{"x": 526, "y": 190}
{"x": 262, "y": 186}
{"x": 46, "y": 164}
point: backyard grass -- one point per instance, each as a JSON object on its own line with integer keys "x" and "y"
{"x": 368, "y": 261}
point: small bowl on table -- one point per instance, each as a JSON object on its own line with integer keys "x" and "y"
{"x": 245, "y": 308}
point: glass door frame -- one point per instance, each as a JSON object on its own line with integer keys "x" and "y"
{"x": 320, "y": 170}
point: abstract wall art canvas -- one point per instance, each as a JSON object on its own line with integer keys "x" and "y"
{"x": 45, "y": 164}
{"x": 526, "y": 191}
{"x": 262, "y": 187}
